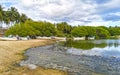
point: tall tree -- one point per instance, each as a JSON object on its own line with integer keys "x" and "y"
{"x": 1, "y": 16}
{"x": 13, "y": 15}
{"x": 23, "y": 18}
{"x": 64, "y": 28}
{"x": 102, "y": 33}
{"x": 85, "y": 31}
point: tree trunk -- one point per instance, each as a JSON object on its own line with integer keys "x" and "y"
{"x": 86, "y": 37}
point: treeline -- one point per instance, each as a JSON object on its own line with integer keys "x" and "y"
{"x": 32, "y": 28}
{"x": 20, "y": 24}
{"x": 99, "y": 32}
{"x": 40, "y": 28}
{"x": 11, "y": 16}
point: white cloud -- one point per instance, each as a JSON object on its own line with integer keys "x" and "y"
{"x": 100, "y": 23}
{"x": 116, "y": 14}
{"x": 75, "y": 12}
{"x": 27, "y": 2}
{"x": 105, "y": 23}
{"x": 112, "y": 4}
{"x": 74, "y": 23}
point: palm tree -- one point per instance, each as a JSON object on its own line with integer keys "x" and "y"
{"x": 6, "y": 18}
{"x": 13, "y": 15}
{"x": 23, "y": 18}
{"x": 1, "y": 16}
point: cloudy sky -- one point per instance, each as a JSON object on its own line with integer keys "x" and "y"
{"x": 75, "y": 12}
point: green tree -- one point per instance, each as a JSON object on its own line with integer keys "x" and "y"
{"x": 12, "y": 15}
{"x": 114, "y": 31}
{"x": 22, "y": 30}
{"x": 6, "y": 18}
{"x": 64, "y": 28}
{"x": 32, "y": 28}
{"x": 85, "y": 31}
{"x": 79, "y": 31}
{"x": 23, "y": 18}
{"x": 102, "y": 33}
{"x": 1, "y": 16}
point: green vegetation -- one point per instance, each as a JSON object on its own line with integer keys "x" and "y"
{"x": 86, "y": 31}
{"x": 102, "y": 33}
{"x": 32, "y": 28}
{"x": 40, "y": 28}
{"x": 20, "y": 24}
{"x": 83, "y": 44}
{"x": 11, "y": 16}
{"x": 63, "y": 29}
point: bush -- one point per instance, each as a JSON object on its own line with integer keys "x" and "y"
{"x": 32, "y": 28}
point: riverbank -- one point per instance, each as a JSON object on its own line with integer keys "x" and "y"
{"x": 11, "y": 53}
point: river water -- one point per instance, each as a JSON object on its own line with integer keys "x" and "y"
{"x": 91, "y": 57}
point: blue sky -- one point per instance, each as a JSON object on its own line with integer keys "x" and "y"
{"x": 75, "y": 12}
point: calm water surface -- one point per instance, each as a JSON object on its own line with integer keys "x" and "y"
{"x": 105, "y": 48}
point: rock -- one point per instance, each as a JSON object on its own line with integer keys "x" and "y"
{"x": 65, "y": 68}
{"x": 31, "y": 66}
{"x": 113, "y": 56}
{"x": 22, "y": 63}
{"x": 54, "y": 65}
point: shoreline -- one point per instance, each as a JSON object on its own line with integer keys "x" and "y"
{"x": 15, "y": 50}
{"x": 57, "y": 57}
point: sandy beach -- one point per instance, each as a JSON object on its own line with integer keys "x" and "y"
{"x": 11, "y": 53}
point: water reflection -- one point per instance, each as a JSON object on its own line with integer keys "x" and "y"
{"x": 114, "y": 43}
{"x": 106, "y": 48}
{"x": 85, "y": 44}
{"x": 90, "y": 44}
